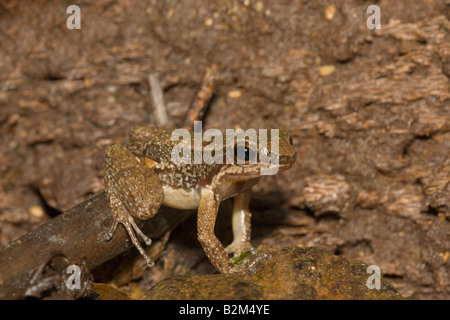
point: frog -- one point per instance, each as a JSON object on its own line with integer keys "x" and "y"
{"x": 142, "y": 176}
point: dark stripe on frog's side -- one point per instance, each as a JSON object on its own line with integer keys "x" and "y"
{"x": 187, "y": 176}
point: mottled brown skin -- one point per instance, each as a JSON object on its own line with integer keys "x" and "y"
{"x": 141, "y": 176}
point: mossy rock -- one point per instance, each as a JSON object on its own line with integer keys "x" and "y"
{"x": 283, "y": 273}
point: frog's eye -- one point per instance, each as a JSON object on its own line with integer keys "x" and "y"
{"x": 291, "y": 141}
{"x": 244, "y": 154}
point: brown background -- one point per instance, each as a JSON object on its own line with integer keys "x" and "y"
{"x": 373, "y": 137}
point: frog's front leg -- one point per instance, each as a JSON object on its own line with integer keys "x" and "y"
{"x": 206, "y": 220}
{"x": 132, "y": 190}
{"x": 241, "y": 223}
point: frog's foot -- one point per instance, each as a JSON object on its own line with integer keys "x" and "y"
{"x": 237, "y": 247}
{"x": 129, "y": 224}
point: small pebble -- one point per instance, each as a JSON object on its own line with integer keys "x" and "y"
{"x": 235, "y": 94}
{"x": 36, "y": 211}
{"x": 259, "y": 6}
{"x": 446, "y": 255}
{"x": 209, "y": 22}
{"x": 329, "y": 12}
{"x": 326, "y": 70}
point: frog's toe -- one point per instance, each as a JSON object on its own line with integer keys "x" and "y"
{"x": 130, "y": 225}
{"x": 132, "y": 229}
{"x": 246, "y": 246}
{"x": 112, "y": 230}
{"x": 149, "y": 262}
{"x": 146, "y": 239}
{"x": 237, "y": 247}
{"x": 231, "y": 248}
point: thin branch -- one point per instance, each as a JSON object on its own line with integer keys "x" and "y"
{"x": 157, "y": 97}
{"x": 78, "y": 234}
{"x": 198, "y": 108}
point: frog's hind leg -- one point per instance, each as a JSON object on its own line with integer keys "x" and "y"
{"x": 132, "y": 190}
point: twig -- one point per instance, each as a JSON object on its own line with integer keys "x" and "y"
{"x": 78, "y": 234}
{"x": 198, "y": 108}
{"x": 157, "y": 97}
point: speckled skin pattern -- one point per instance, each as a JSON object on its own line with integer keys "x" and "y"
{"x": 141, "y": 176}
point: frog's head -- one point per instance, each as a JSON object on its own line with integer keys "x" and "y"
{"x": 266, "y": 153}
{"x": 285, "y": 150}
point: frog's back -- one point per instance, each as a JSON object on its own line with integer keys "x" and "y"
{"x": 158, "y": 147}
